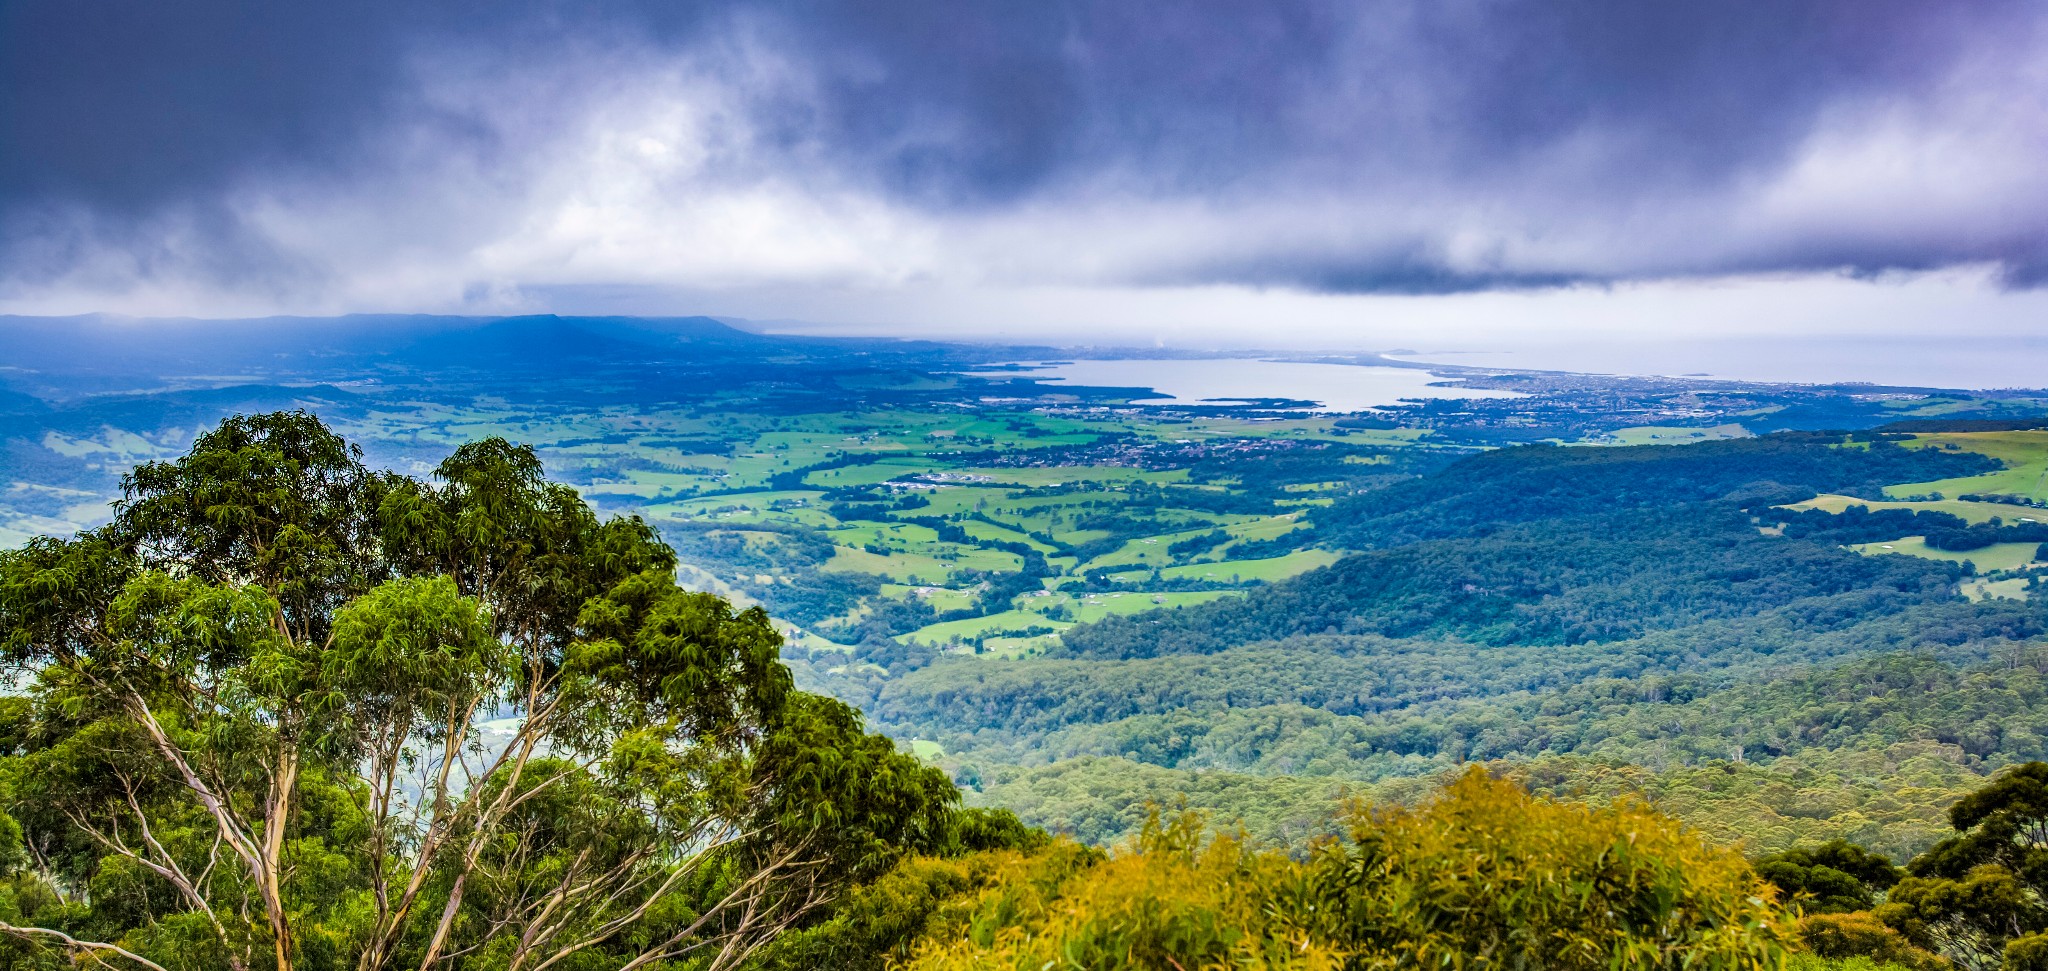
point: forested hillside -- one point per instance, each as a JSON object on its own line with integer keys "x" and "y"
{"x": 1576, "y": 615}
{"x": 1588, "y": 578}
{"x": 1533, "y": 482}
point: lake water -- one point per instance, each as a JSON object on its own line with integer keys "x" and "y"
{"x": 1334, "y": 387}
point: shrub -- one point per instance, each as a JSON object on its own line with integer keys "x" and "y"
{"x": 1485, "y": 876}
{"x": 1859, "y": 935}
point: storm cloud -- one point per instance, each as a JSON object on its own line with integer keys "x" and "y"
{"x": 400, "y": 155}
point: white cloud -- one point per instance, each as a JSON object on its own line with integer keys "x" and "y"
{"x": 686, "y": 180}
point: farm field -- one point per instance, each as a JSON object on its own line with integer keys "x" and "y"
{"x": 2013, "y": 588}
{"x": 1998, "y": 556}
{"x": 1671, "y": 434}
{"x": 1268, "y": 569}
{"x": 2025, "y": 454}
{"x": 1971, "y": 512}
{"x": 898, "y": 524}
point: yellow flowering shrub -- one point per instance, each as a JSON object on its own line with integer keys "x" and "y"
{"x": 1485, "y": 876}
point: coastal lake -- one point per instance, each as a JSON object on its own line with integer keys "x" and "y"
{"x": 1334, "y": 387}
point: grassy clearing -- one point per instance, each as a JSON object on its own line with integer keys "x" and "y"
{"x": 1151, "y": 551}
{"x": 942, "y": 599}
{"x": 1263, "y": 528}
{"x": 1036, "y": 612}
{"x": 2013, "y": 589}
{"x": 991, "y": 533}
{"x": 925, "y": 564}
{"x": 1997, "y": 556}
{"x": 893, "y": 535}
{"x": 1321, "y": 429}
{"x": 867, "y": 475}
{"x": 1037, "y": 478}
{"x": 1934, "y": 406}
{"x": 2025, "y": 454}
{"x": 1088, "y": 608}
{"x": 1973, "y": 512}
{"x": 1670, "y": 435}
{"x": 1269, "y": 570}
{"x": 1009, "y": 620}
{"x": 1016, "y": 647}
{"x": 715, "y": 507}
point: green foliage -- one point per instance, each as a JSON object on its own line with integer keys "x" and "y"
{"x": 288, "y": 713}
{"x": 1540, "y": 482}
{"x": 1101, "y": 800}
{"x": 1814, "y": 962}
{"x": 1977, "y": 897}
{"x": 877, "y": 925}
{"x": 1858, "y": 939}
{"x": 1601, "y": 620}
{"x": 1836, "y": 877}
{"x": 1594, "y": 578}
{"x": 1485, "y": 875}
{"x": 315, "y": 643}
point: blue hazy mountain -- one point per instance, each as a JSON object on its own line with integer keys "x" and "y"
{"x": 112, "y": 345}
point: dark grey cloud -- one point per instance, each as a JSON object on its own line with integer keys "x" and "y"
{"x": 1386, "y": 146}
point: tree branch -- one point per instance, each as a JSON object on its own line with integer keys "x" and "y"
{"x": 31, "y": 933}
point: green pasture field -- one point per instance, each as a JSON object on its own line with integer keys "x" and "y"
{"x": 1997, "y": 556}
{"x": 1145, "y": 551}
{"x": 941, "y": 599}
{"x": 961, "y": 557}
{"x": 2025, "y": 454}
{"x": 1934, "y": 407}
{"x": 868, "y": 475}
{"x": 1087, "y": 608}
{"x": 922, "y": 568}
{"x": 895, "y": 535}
{"x": 726, "y": 506}
{"x": 953, "y": 499}
{"x": 1000, "y": 503}
{"x": 1080, "y": 608}
{"x": 1270, "y": 569}
{"x": 1152, "y": 550}
{"x": 991, "y": 533}
{"x": 2009, "y": 589}
{"x": 903, "y": 568}
{"x": 1039, "y": 478}
{"x": 647, "y": 485}
{"x": 1321, "y": 429}
{"x": 1973, "y": 512}
{"x": 1263, "y": 528}
{"x": 1669, "y": 435}
{"x": 944, "y": 631}
{"x": 806, "y": 516}
{"x": 1011, "y": 648}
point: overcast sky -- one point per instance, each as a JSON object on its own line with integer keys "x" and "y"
{"x": 1369, "y": 172}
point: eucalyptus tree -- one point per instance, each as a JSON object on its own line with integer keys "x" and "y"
{"x": 289, "y": 712}
{"x": 1980, "y": 897}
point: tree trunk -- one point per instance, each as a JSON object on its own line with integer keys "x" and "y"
{"x": 275, "y": 819}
